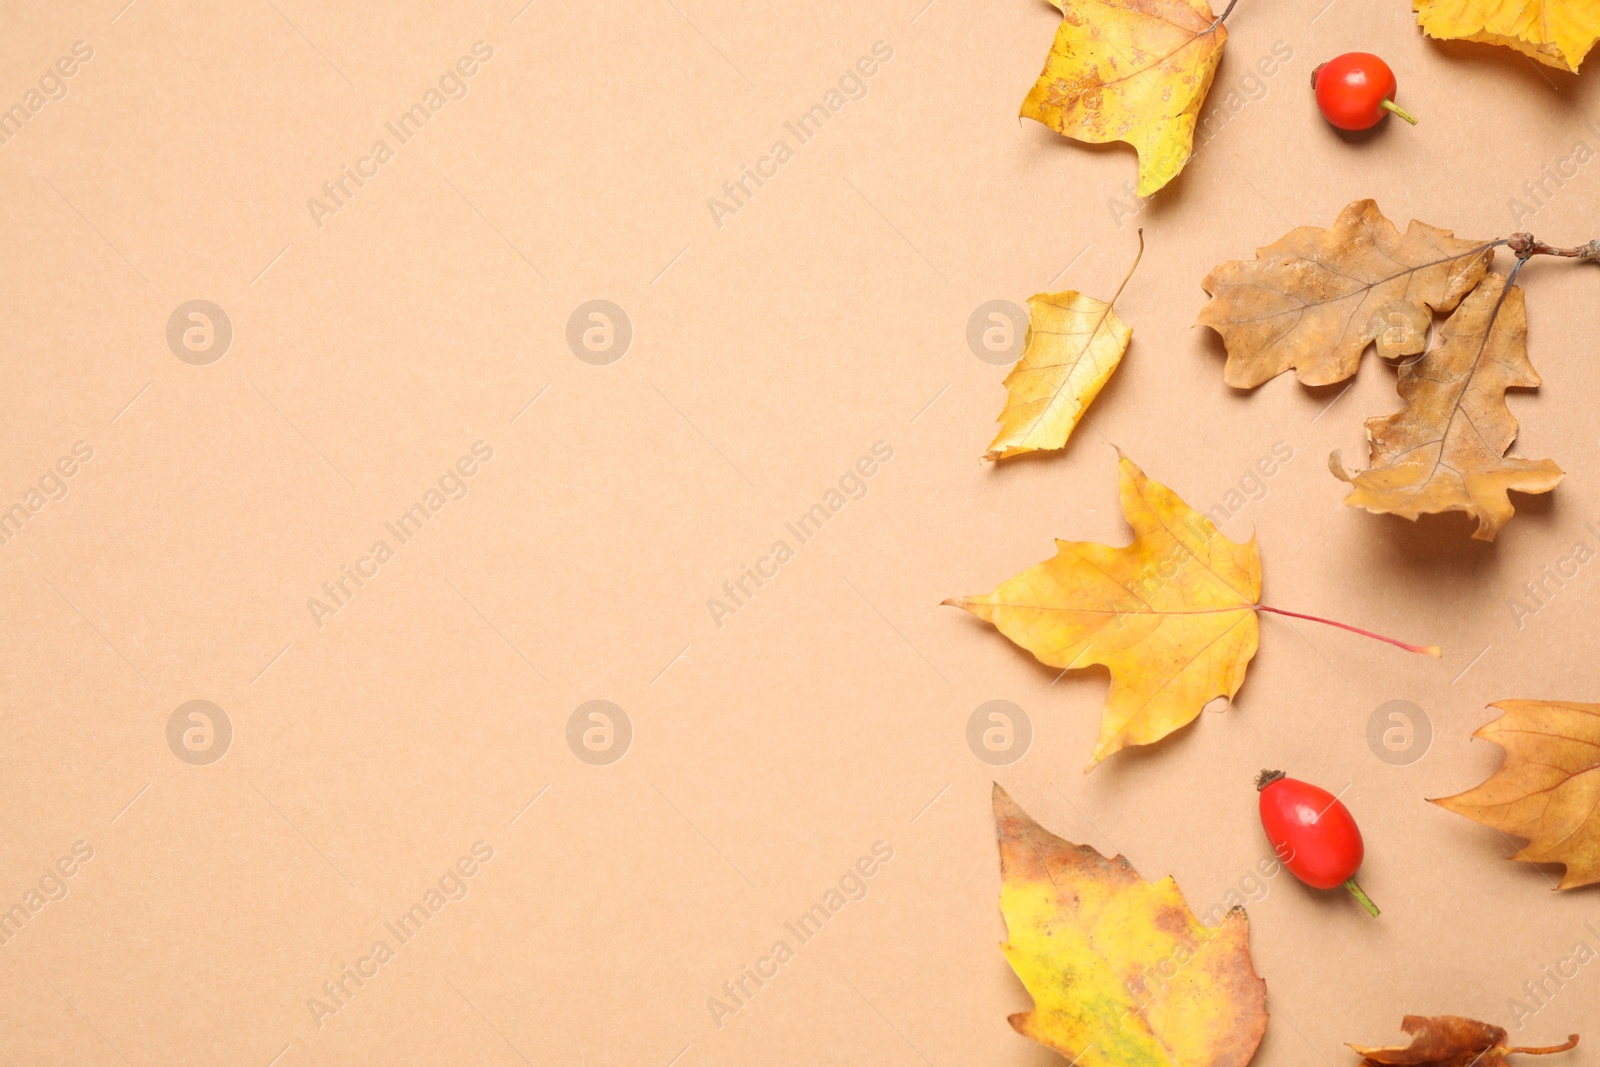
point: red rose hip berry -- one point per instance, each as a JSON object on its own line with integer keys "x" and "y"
{"x": 1355, "y": 90}
{"x": 1314, "y": 835}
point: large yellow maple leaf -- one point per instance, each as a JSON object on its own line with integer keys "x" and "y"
{"x": 1558, "y": 33}
{"x": 1547, "y": 789}
{"x": 1074, "y": 344}
{"x": 1172, "y": 615}
{"x": 1445, "y": 449}
{"x": 1121, "y": 972}
{"x": 1131, "y": 70}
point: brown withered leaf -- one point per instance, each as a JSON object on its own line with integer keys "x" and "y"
{"x": 1451, "y": 1041}
{"x": 1314, "y": 300}
{"x": 1445, "y": 449}
{"x": 1547, "y": 786}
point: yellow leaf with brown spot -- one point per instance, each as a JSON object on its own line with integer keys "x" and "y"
{"x": 1131, "y": 70}
{"x": 1074, "y": 344}
{"x": 1445, "y": 449}
{"x": 1451, "y": 1041}
{"x": 1558, "y": 33}
{"x": 1314, "y": 300}
{"x": 1547, "y": 789}
{"x": 1172, "y": 615}
{"x": 1121, "y": 972}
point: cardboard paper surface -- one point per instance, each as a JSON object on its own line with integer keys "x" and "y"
{"x": 399, "y": 381}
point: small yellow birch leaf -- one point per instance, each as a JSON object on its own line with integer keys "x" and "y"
{"x": 1558, "y": 33}
{"x": 1121, "y": 972}
{"x": 1074, "y": 344}
{"x": 1172, "y": 615}
{"x": 1131, "y": 70}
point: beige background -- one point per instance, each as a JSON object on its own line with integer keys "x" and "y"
{"x": 769, "y": 353}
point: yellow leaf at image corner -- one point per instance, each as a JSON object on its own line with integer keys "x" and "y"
{"x": 1171, "y": 615}
{"x": 1547, "y": 789}
{"x": 1558, "y": 33}
{"x": 1121, "y": 972}
{"x": 1444, "y": 450}
{"x": 1074, "y": 344}
{"x": 1136, "y": 71}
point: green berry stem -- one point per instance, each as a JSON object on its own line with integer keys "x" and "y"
{"x": 1359, "y": 894}
{"x": 1390, "y": 105}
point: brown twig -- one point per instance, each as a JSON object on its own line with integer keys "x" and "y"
{"x": 1526, "y": 245}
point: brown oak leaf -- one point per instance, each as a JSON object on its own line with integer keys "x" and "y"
{"x": 1451, "y": 1041}
{"x": 1315, "y": 299}
{"x": 1445, "y": 449}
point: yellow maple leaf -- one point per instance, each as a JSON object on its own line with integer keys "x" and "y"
{"x": 1135, "y": 71}
{"x": 1074, "y": 344}
{"x": 1313, "y": 300}
{"x": 1558, "y": 33}
{"x": 1445, "y": 449}
{"x": 1121, "y": 972}
{"x": 1172, "y": 615}
{"x": 1547, "y": 787}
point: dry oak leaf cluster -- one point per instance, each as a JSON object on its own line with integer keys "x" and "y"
{"x": 1074, "y": 345}
{"x": 1121, "y": 972}
{"x": 1135, "y": 71}
{"x": 1172, "y": 615}
{"x": 1558, "y": 33}
{"x": 1313, "y": 301}
{"x": 1547, "y": 786}
{"x": 1445, "y": 449}
{"x": 1451, "y": 1041}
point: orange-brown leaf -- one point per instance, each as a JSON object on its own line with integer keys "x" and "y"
{"x": 1445, "y": 449}
{"x": 1450, "y": 1041}
{"x": 1548, "y": 785}
{"x": 1314, "y": 300}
